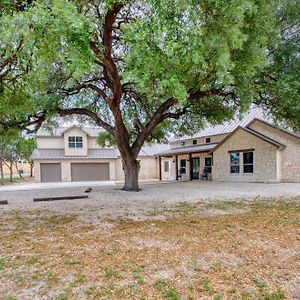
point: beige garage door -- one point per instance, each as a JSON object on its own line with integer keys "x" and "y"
{"x": 50, "y": 172}
{"x": 90, "y": 172}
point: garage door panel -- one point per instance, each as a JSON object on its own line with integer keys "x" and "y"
{"x": 50, "y": 172}
{"x": 90, "y": 171}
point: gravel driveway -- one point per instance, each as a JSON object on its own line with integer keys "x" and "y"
{"x": 109, "y": 202}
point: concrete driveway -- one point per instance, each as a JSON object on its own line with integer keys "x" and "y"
{"x": 53, "y": 185}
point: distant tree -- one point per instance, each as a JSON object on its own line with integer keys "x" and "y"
{"x": 8, "y": 155}
{"x": 143, "y": 68}
{"x": 24, "y": 149}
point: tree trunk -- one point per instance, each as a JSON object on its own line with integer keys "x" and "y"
{"x": 1, "y": 169}
{"x": 11, "y": 172}
{"x": 17, "y": 168}
{"x": 31, "y": 169}
{"x": 131, "y": 172}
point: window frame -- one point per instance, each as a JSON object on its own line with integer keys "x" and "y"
{"x": 195, "y": 142}
{"x": 75, "y": 142}
{"x": 208, "y": 168}
{"x": 166, "y": 163}
{"x": 248, "y": 164}
{"x": 208, "y": 140}
{"x": 182, "y": 167}
{"x": 182, "y": 143}
{"x": 234, "y": 165}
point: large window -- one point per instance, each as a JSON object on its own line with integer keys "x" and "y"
{"x": 182, "y": 166}
{"x": 208, "y": 164}
{"x": 75, "y": 142}
{"x": 234, "y": 162}
{"x": 166, "y": 166}
{"x": 248, "y": 162}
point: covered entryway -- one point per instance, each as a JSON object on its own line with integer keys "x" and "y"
{"x": 50, "y": 172}
{"x": 90, "y": 171}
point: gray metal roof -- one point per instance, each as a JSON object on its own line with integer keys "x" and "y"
{"x": 229, "y": 126}
{"x": 190, "y": 149}
{"x": 59, "y": 154}
{"x": 59, "y": 131}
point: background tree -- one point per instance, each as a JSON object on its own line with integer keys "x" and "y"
{"x": 24, "y": 149}
{"x": 140, "y": 69}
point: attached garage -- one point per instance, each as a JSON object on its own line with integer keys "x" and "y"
{"x": 50, "y": 172}
{"x": 90, "y": 171}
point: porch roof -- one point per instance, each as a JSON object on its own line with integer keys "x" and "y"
{"x": 187, "y": 150}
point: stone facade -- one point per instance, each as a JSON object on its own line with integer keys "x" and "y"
{"x": 265, "y": 167}
{"x": 290, "y": 157}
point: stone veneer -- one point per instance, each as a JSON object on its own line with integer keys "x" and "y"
{"x": 264, "y": 159}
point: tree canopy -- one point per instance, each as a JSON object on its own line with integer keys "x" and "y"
{"x": 141, "y": 69}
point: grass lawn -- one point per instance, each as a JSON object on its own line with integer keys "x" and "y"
{"x": 227, "y": 250}
{"x": 6, "y": 181}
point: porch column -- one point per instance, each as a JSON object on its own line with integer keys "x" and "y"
{"x": 191, "y": 166}
{"x": 176, "y": 166}
{"x": 159, "y": 164}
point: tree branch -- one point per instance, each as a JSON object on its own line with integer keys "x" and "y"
{"x": 85, "y": 112}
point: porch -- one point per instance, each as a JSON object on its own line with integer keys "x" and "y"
{"x": 186, "y": 163}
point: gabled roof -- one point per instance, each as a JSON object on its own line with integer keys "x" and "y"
{"x": 289, "y": 132}
{"x": 72, "y": 127}
{"x": 59, "y": 131}
{"x": 229, "y": 126}
{"x": 253, "y": 132}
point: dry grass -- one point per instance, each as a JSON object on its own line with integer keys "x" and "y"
{"x": 229, "y": 250}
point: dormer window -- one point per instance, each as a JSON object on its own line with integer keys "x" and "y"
{"x": 207, "y": 140}
{"x": 75, "y": 142}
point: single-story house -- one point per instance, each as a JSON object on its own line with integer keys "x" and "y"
{"x": 73, "y": 154}
{"x": 252, "y": 149}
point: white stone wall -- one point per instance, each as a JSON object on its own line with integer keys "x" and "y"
{"x": 148, "y": 168}
{"x": 264, "y": 159}
{"x": 290, "y": 157}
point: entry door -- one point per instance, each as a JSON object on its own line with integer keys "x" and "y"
{"x": 196, "y": 167}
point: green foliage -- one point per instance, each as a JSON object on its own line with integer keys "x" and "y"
{"x": 214, "y": 57}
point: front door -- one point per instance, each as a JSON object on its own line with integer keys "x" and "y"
{"x": 196, "y": 167}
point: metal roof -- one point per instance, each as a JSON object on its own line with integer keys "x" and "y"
{"x": 59, "y": 154}
{"x": 59, "y": 131}
{"x": 229, "y": 126}
{"x": 185, "y": 150}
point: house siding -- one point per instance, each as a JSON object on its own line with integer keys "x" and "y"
{"x": 290, "y": 157}
{"x": 265, "y": 159}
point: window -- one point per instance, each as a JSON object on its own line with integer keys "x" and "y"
{"x": 166, "y": 166}
{"x": 207, "y": 140}
{"x": 182, "y": 143}
{"x": 248, "y": 162}
{"x": 75, "y": 142}
{"x": 194, "y": 142}
{"x": 208, "y": 164}
{"x": 182, "y": 166}
{"x": 234, "y": 162}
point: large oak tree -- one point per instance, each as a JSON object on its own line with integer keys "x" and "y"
{"x": 139, "y": 69}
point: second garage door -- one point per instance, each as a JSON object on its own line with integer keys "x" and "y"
{"x": 90, "y": 172}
